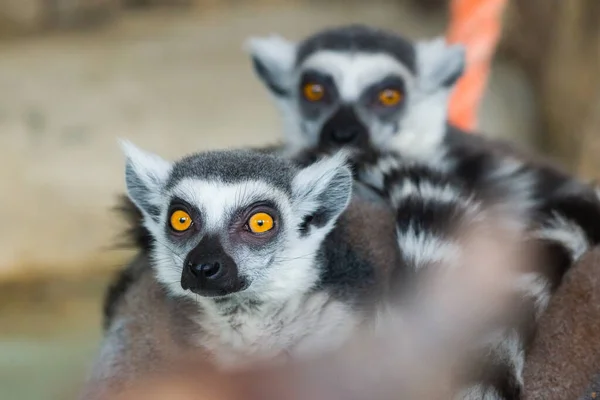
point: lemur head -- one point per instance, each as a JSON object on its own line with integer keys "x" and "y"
{"x": 360, "y": 87}
{"x": 235, "y": 223}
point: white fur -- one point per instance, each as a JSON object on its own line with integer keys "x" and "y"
{"x": 145, "y": 164}
{"x": 375, "y": 175}
{"x": 568, "y": 233}
{"x": 303, "y": 326}
{"x": 422, "y": 128}
{"x": 424, "y": 125}
{"x": 276, "y": 53}
{"x": 436, "y": 59}
{"x": 427, "y": 191}
{"x": 316, "y": 178}
{"x": 536, "y": 286}
{"x": 151, "y": 169}
{"x": 422, "y": 249}
{"x": 515, "y": 354}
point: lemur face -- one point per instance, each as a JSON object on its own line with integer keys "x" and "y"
{"x": 236, "y": 223}
{"x": 360, "y": 87}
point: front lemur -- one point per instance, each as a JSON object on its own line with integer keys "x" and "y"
{"x": 387, "y": 98}
{"x": 254, "y": 256}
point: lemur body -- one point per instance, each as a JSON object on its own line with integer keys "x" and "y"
{"x": 225, "y": 288}
{"x": 387, "y": 98}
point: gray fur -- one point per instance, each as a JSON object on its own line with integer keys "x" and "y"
{"x": 238, "y": 166}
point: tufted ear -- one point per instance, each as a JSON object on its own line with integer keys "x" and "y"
{"x": 273, "y": 58}
{"x": 145, "y": 176}
{"x": 322, "y": 191}
{"x": 439, "y": 64}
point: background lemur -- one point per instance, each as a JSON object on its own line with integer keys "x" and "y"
{"x": 374, "y": 91}
{"x": 254, "y": 256}
{"x": 387, "y": 98}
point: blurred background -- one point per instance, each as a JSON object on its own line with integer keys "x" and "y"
{"x": 171, "y": 76}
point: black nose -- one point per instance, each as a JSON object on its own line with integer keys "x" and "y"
{"x": 343, "y": 128}
{"x": 345, "y": 135}
{"x": 207, "y": 270}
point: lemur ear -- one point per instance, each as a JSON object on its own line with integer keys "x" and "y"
{"x": 322, "y": 191}
{"x": 273, "y": 58}
{"x": 145, "y": 177}
{"x": 439, "y": 64}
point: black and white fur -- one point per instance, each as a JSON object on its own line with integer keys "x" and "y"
{"x": 354, "y": 63}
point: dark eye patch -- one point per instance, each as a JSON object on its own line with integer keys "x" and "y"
{"x": 180, "y": 204}
{"x": 370, "y": 97}
{"x": 239, "y": 220}
{"x": 371, "y": 94}
{"x": 326, "y": 81}
{"x": 241, "y": 215}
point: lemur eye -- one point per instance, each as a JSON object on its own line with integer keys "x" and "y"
{"x": 180, "y": 221}
{"x": 390, "y": 97}
{"x": 313, "y": 91}
{"x": 260, "y": 222}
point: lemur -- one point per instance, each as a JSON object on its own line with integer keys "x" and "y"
{"x": 387, "y": 98}
{"x": 254, "y": 256}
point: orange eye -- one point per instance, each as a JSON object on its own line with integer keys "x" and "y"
{"x": 180, "y": 221}
{"x": 313, "y": 91}
{"x": 260, "y": 222}
{"x": 390, "y": 97}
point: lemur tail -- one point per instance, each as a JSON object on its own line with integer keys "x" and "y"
{"x": 442, "y": 227}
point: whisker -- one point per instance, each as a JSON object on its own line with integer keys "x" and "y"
{"x": 301, "y": 257}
